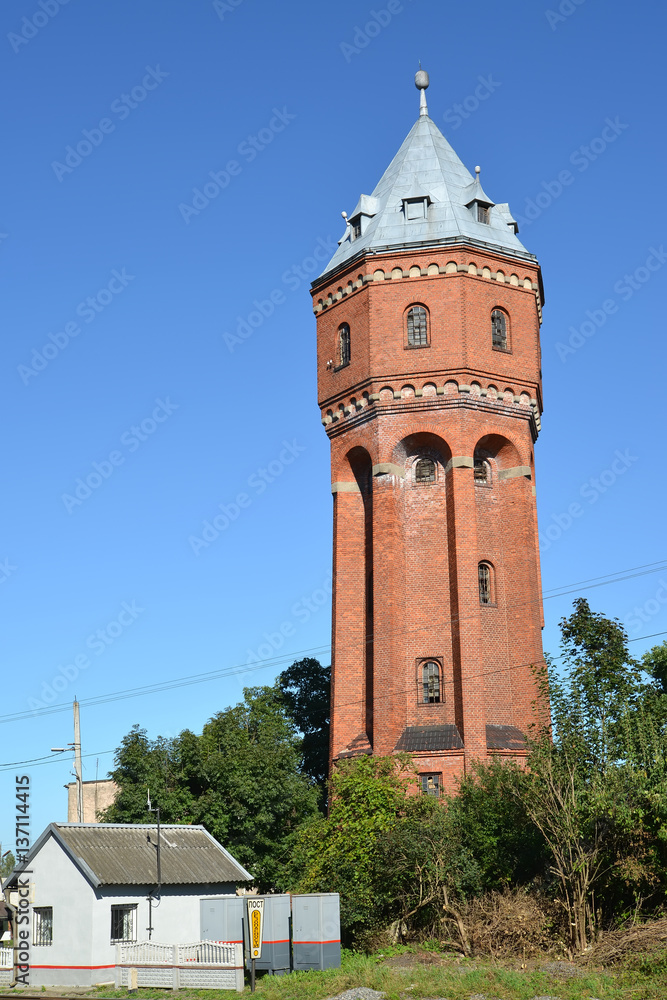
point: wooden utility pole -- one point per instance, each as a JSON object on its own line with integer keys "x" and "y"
{"x": 77, "y": 764}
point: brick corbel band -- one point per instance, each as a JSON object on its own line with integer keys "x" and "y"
{"x": 518, "y": 470}
{"x": 388, "y": 469}
{"x": 345, "y": 488}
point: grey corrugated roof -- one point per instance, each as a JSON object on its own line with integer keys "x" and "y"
{"x": 125, "y": 854}
{"x": 427, "y": 163}
{"x": 421, "y": 739}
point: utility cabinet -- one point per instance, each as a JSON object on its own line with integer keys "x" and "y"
{"x": 222, "y": 918}
{"x": 316, "y": 931}
{"x": 276, "y": 946}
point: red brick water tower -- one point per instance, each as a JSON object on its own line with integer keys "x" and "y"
{"x": 428, "y": 319}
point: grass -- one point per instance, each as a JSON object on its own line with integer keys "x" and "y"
{"x": 454, "y": 979}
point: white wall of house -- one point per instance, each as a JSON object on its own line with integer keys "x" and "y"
{"x": 82, "y": 953}
{"x": 59, "y": 884}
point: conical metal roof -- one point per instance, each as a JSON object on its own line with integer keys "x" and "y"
{"x": 425, "y": 166}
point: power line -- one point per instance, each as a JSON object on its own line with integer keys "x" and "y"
{"x": 40, "y": 761}
{"x": 222, "y": 672}
{"x": 52, "y": 760}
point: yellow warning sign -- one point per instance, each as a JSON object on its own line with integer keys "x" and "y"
{"x": 255, "y": 925}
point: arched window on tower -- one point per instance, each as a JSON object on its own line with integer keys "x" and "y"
{"x": 485, "y": 578}
{"x": 344, "y": 346}
{"x": 431, "y": 683}
{"x": 417, "y": 321}
{"x": 425, "y": 470}
{"x": 499, "y": 330}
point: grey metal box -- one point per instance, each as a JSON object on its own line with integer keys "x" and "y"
{"x": 221, "y": 918}
{"x": 276, "y": 945}
{"x": 316, "y": 931}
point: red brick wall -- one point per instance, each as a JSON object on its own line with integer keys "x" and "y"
{"x": 422, "y": 543}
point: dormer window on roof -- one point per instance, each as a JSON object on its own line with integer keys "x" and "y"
{"x": 416, "y": 208}
{"x": 482, "y": 213}
{"x": 365, "y": 209}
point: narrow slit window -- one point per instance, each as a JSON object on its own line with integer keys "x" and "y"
{"x": 481, "y": 473}
{"x": 344, "y": 345}
{"x": 484, "y": 576}
{"x": 499, "y": 330}
{"x": 425, "y": 471}
{"x": 482, "y": 214}
{"x": 431, "y": 683}
{"x": 417, "y": 327}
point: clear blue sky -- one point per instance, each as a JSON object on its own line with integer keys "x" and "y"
{"x": 298, "y": 109}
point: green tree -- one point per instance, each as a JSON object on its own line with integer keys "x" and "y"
{"x": 306, "y": 691}
{"x": 242, "y": 779}
{"x": 490, "y": 817}
{"x": 342, "y": 853}
{"x": 582, "y": 788}
{"x": 257, "y": 793}
{"x": 7, "y": 863}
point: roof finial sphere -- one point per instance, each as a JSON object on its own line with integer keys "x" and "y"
{"x": 421, "y": 79}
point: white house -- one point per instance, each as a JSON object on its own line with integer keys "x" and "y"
{"x": 95, "y": 885}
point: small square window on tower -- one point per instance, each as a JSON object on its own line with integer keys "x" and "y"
{"x": 431, "y": 784}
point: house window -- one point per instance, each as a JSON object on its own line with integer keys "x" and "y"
{"x": 430, "y": 784}
{"x": 499, "y": 330}
{"x": 425, "y": 471}
{"x": 431, "y": 683}
{"x": 123, "y": 919}
{"x": 344, "y": 346}
{"x": 484, "y": 576}
{"x": 482, "y": 214}
{"x": 417, "y": 327}
{"x": 43, "y": 917}
{"x": 356, "y": 227}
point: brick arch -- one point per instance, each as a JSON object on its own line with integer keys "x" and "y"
{"x": 423, "y": 442}
{"x": 361, "y": 466}
{"x": 505, "y": 452}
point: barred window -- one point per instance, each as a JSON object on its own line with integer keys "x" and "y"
{"x": 431, "y": 683}
{"x": 484, "y": 575}
{"x": 417, "y": 327}
{"x": 482, "y": 214}
{"x": 431, "y": 784}
{"x": 356, "y": 227}
{"x": 425, "y": 471}
{"x": 344, "y": 346}
{"x": 43, "y": 917}
{"x": 123, "y": 923}
{"x": 498, "y": 330}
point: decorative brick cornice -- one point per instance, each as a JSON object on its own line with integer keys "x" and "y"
{"x": 451, "y": 268}
{"x": 409, "y": 398}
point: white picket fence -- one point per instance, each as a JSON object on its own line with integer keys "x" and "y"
{"x": 199, "y": 965}
{"x": 6, "y": 965}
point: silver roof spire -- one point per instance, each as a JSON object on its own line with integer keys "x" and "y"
{"x": 425, "y": 169}
{"x": 421, "y": 83}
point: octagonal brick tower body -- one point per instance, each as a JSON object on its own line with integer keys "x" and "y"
{"x": 429, "y": 383}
